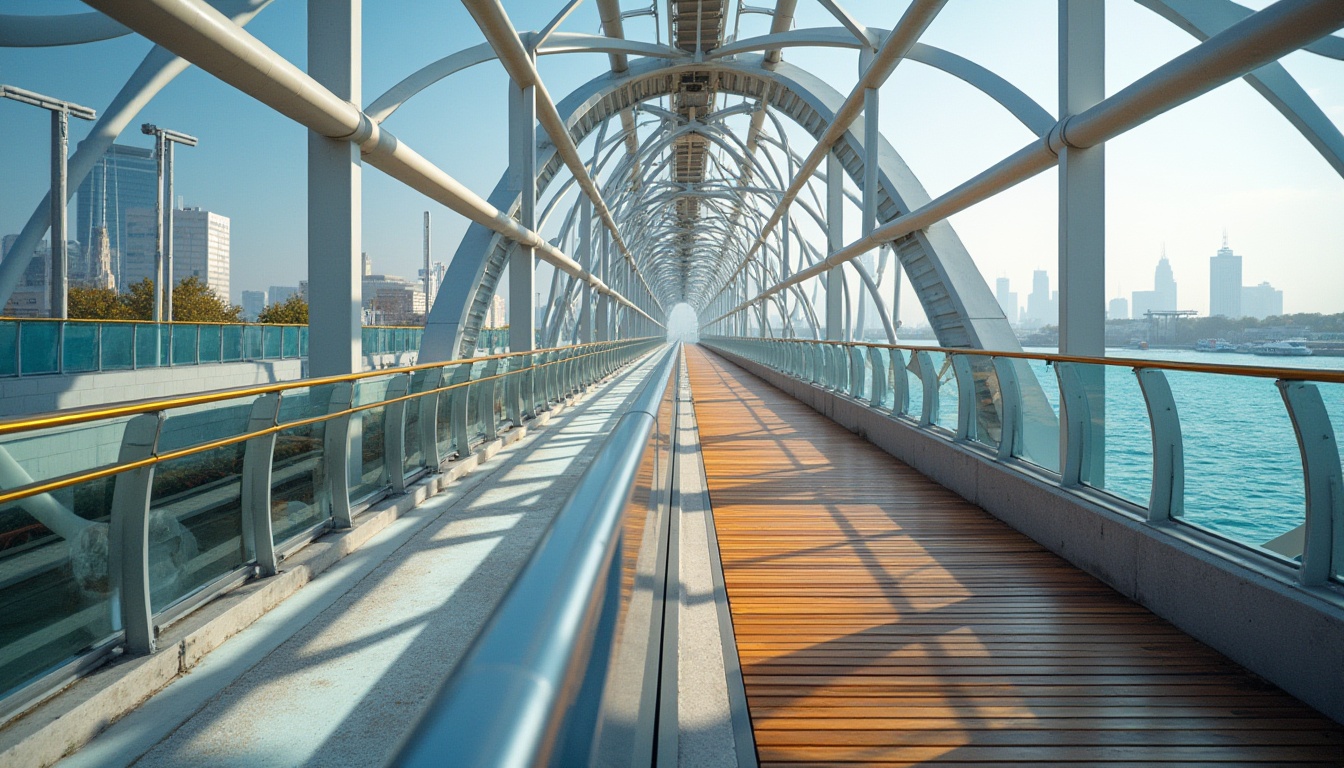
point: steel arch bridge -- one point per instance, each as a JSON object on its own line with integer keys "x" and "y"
{"x": 677, "y": 202}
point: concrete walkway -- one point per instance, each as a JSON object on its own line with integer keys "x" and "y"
{"x": 335, "y": 675}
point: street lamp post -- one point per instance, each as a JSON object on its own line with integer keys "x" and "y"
{"x": 164, "y": 140}
{"x": 60, "y": 141}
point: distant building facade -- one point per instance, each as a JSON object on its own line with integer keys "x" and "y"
{"x": 279, "y": 294}
{"x": 1225, "y": 283}
{"x": 125, "y": 178}
{"x": 497, "y": 316}
{"x": 1163, "y": 296}
{"x": 32, "y": 296}
{"x": 253, "y": 303}
{"x": 1261, "y": 301}
{"x": 1118, "y": 310}
{"x": 200, "y": 248}
{"x": 1007, "y": 299}
{"x": 1042, "y": 304}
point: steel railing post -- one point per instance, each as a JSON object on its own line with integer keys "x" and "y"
{"x": 928, "y": 379}
{"x": 428, "y": 415}
{"x": 336, "y": 454}
{"x": 128, "y": 546}
{"x": 1010, "y": 400}
{"x": 485, "y": 400}
{"x": 1323, "y": 534}
{"x": 879, "y": 389}
{"x": 459, "y": 420}
{"x": 258, "y": 461}
{"x": 900, "y": 384}
{"x": 1167, "y": 499}
{"x": 394, "y": 432}
{"x": 966, "y": 421}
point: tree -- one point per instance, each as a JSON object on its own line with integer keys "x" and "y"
{"x": 193, "y": 302}
{"x": 293, "y": 310}
{"x": 96, "y": 304}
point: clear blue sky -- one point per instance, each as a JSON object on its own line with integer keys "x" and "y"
{"x": 1226, "y": 161}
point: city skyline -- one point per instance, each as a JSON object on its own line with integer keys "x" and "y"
{"x": 1282, "y": 199}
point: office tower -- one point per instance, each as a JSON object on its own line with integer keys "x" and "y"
{"x": 366, "y": 265}
{"x": 1119, "y": 309}
{"x": 1163, "y": 296}
{"x": 1007, "y": 299}
{"x": 253, "y": 303}
{"x": 125, "y": 178}
{"x": 279, "y": 294}
{"x": 32, "y": 296}
{"x": 497, "y": 316}
{"x": 201, "y": 248}
{"x": 1042, "y": 304}
{"x": 1225, "y": 283}
{"x": 1261, "y": 301}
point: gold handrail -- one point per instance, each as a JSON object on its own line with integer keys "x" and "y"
{"x": 94, "y": 413}
{"x": 65, "y": 481}
{"x": 8, "y": 319}
{"x": 1256, "y": 371}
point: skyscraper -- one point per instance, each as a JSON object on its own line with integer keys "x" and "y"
{"x": 253, "y": 303}
{"x": 1261, "y": 301}
{"x": 1042, "y": 305}
{"x": 200, "y": 248}
{"x": 1007, "y": 299}
{"x": 278, "y": 294}
{"x": 1225, "y": 283}
{"x": 125, "y": 178}
{"x": 1119, "y": 309}
{"x": 1163, "y": 296}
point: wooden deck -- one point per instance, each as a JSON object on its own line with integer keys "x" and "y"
{"x": 882, "y": 619}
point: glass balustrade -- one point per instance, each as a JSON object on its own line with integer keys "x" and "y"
{"x": 37, "y": 347}
{"x": 205, "y": 530}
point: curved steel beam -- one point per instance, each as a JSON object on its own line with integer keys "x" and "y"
{"x": 51, "y": 31}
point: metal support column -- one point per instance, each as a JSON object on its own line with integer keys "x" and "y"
{"x": 522, "y": 258}
{"x": 1082, "y": 212}
{"x": 586, "y": 333}
{"x": 60, "y": 260}
{"x": 835, "y": 239}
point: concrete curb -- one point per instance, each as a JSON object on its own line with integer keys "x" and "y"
{"x": 72, "y": 717}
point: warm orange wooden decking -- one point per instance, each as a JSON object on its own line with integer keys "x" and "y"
{"x": 881, "y": 618}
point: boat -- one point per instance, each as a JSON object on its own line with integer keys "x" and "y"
{"x": 1289, "y": 348}
{"x": 1214, "y": 345}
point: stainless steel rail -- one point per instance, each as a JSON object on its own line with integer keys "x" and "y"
{"x": 532, "y": 688}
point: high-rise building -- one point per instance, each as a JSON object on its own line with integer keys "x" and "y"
{"x": 1119, "y": 309}
{"x": 1225, "y": 283}
{"x": 200, "y": 248}
{"x": 253, "y": 303}
{"x": 32, "y": 296}
{"x": 1163, "y": 296}
{"x": 279, "y": 294}
{"x": 1007, "y": 299}
{"x": 1261, "y": 301}
{"x": 124, "y": 178}
{"x": 497, "y": 316}
{"x": 1042, "y": 304}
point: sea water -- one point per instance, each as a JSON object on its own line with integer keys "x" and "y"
{"x": 1243, "y": 469}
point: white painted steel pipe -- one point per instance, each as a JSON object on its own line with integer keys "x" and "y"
{"x": 1260, "y": 39}
{"x": 208, "y": 39}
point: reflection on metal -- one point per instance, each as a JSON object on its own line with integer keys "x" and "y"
{"x": 1323, "y": 537}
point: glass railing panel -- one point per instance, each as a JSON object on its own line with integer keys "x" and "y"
{"x": 1038, "y": 441}
{"x": 372, "y": 475}
{"x": 413, "y": 455}
{"x": 117, "y": 350}
{"x": 56, "y": 595}
{"x": 1127, "y": 469}
{"x": 289, "y": 343}
{"x": 475, "y": 428}
{"x": 185, "y": 340}
{"x": 447, "y": 443}
{"x": 9, "y": 348}
{"x": 299, "y": 467}
{"x": 987, "y": 427}
{"x": 196, "y": 512}
{"x": 947, "y": 391}
{"x": 1243, "y": 471}
{"x": 303, "y": 341}
{"x": 271, "y": 341}
{"x": 231, "y": 342}
{"x": 40, "y": 342}
{"x": 368, "y": 340}
{"x": 147, "y": 345}
{"x": 79, "y": 349}
{"x": 207, "y": 346}
{"x": 915, "y": 386}
{"x": 252, "y": 342}
{"x": 1333, "y": 397}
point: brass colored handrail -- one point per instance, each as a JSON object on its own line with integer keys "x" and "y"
{"x": 55, "y": 484}
{"x": 1257, "y": 371}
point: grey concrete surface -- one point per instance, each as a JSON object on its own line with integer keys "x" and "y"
{"x": 1247, "y": 608}
{"x": 336, "y": 674}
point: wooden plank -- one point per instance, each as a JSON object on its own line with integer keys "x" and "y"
{"x": 883, "y": 620}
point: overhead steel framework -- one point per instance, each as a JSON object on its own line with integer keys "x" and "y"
{"x": 688, "y": 186}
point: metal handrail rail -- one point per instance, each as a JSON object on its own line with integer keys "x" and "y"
{"x": 66, "y": 481}
{"x": 11, "y": 319}
{"x": 506, "y": 701}
{"x": 94, "y": 413}
{"x": 1257, "y": 371}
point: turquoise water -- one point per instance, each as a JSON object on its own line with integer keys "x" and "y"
{"x": 1243, "y": 471}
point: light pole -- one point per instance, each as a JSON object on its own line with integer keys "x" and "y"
{"x": 60, "y": 140}
{"x": 164, "y": 140}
